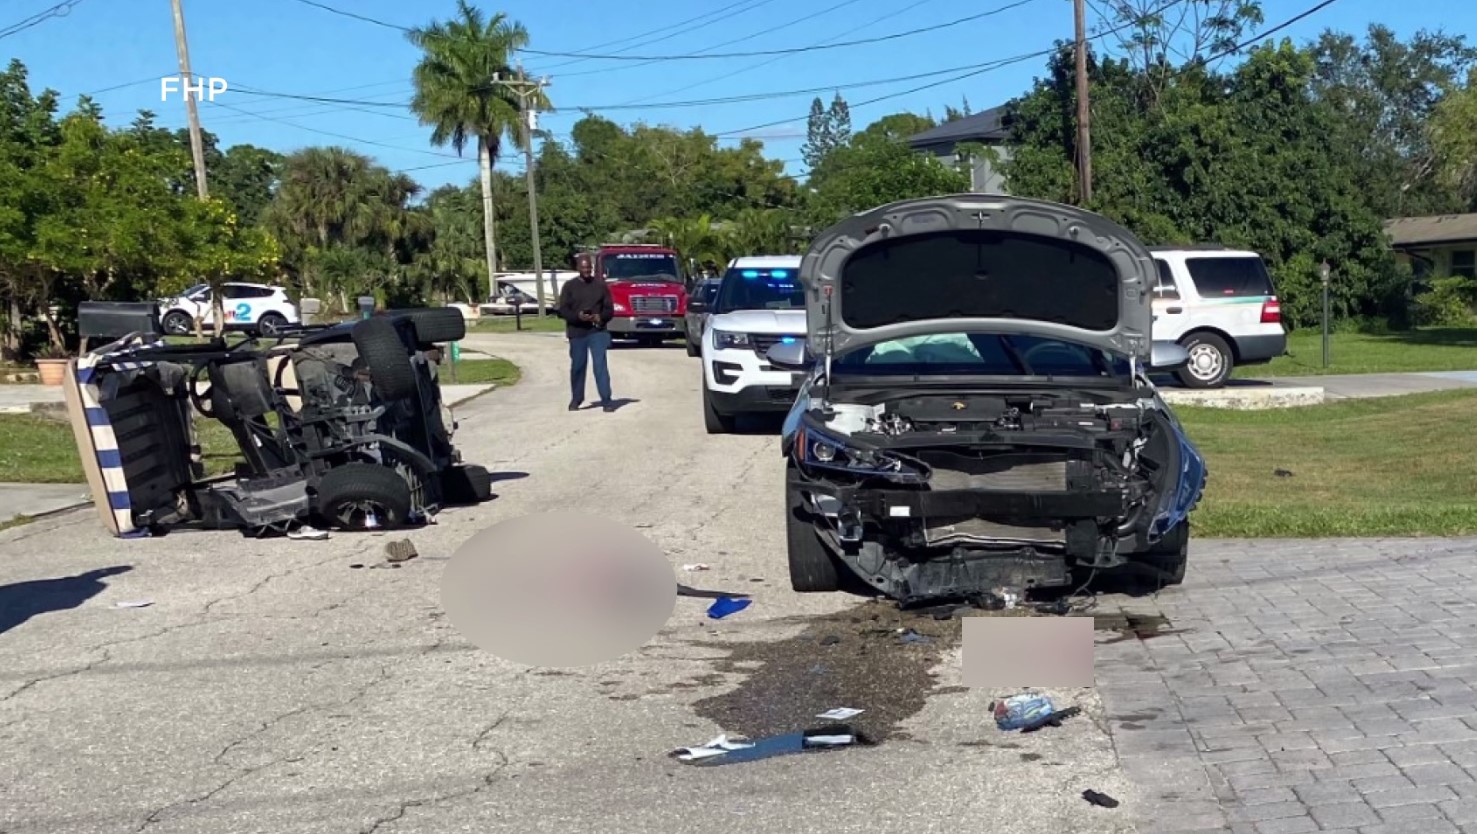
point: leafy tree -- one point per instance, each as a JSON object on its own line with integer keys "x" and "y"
{"x": 817, "y": 135}
{"x": 456, "y": 96}
{"x": 874, "y": 168}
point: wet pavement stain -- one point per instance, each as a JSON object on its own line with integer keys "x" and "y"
{"x": 868, "y": 667}
{"x": 1133, "y": 626}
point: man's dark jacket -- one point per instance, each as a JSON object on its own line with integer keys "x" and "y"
{"x": 581, "y": 296}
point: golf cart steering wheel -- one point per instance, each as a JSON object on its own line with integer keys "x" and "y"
{"x": 195, "y": 398}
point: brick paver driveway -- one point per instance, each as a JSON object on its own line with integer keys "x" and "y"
{"x": 1305, "y": 686}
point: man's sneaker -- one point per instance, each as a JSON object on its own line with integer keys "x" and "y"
{"x": 574, "y": 406}
{"x": 609, "y": 407}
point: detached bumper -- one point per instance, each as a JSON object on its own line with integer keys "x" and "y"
{"x": 664, "y": 326}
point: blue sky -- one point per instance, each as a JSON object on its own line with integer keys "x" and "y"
{"x": 119, "y": 48}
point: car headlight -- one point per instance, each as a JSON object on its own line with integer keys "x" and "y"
{"x": 816, "y": 448}
{"x": 620, "y": 308}
{"x": 724, "y": 340}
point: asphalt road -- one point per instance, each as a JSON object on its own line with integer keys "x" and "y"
{"x": 273, "y": 687}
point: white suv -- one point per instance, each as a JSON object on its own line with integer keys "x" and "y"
{"x": 258, "y": 308}
{"x": 1221, "y": 305}
{"x": 759, "y": 304}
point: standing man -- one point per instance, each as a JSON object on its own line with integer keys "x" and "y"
{"x": 586, "y": 307}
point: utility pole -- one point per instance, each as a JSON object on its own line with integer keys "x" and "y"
{"x": 1084, "y": 134}
{"x": 197, "y": 144}
{"x": 528, "y": 112}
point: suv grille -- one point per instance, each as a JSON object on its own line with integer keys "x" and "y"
{"x": 762, "y": 343}
{"x": 654, "y": 304}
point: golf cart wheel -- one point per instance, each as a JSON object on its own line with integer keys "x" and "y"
{"x": 466, "y": 483}
{"x": 271, "y": 324}
{"x": 693, "y": 350}
{"x": 714, "y": 421}
{"x": 363, "y": 496}
{"x": 388, "y": 360}
{"x": 177, "y": 323}
{"x": 435, "y": 325}
{"x": 1170, "y": 555}
{"x": 812, "y": 567}
{"x": 1211, "y": 361}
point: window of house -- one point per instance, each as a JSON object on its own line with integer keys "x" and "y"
{"x": 1464, "y": 263}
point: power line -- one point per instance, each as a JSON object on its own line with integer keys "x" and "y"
{"x": 749, "y": 6}
{"x": 1274, "y": 30}
{"x": 61, "y": 9}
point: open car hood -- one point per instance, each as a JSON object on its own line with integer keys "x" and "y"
{"x": 978, "y": 263}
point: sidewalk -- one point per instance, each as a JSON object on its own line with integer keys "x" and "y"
{"x": 1358, "y": 386}
{"x": 38, "y": 499}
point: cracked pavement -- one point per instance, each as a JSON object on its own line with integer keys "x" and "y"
{"x": 270, "y": 687}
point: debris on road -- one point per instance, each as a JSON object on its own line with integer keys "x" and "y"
{"x": 1099, "y": 799}
{"x": 723, "y": 606}
{"x": 1021, "y": 711}
{"x": 830, "y": 640}
{"x": 698, "y": 567}
{"x": 356, "y": 565}
{"x": 689, "y": 591}
{"x": 400, "y": 551}
{"x": 911, "y": 636}
{"x": 1009, "y": 597}
{"x": 840, "y": 714}
{"x": 141, "y": 603}
{"x": 722, "y": 750}
{"x": 307, "y": 533}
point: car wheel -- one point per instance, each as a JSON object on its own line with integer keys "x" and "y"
{"x": 713, "y": 421}
{"x": 1170, "y": 555}
{"x": 390, "y": 371}
{"x": 466, "y": 484}
{"x": 692, "y": 349}
{"x": 435, "y": 325}
{"x": 177, "y": 323}
{"x": 271, "y": 324}
{"x": 812, "y": 567}
{"x": 1211, "y": 361}
{"x": 363, "y": 496}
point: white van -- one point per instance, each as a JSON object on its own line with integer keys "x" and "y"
{"x": 1221, "y": 305}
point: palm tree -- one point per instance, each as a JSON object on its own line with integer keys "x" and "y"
{"x": 458, "y": 97}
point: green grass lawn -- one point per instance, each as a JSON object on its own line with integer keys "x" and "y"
{"x": 1424, "y": 349}
{"x": 1377, "y": 467}
{"x": 508, "y": 324}
{"x": 36, "y": 450}
{"x": 479, "y": 371}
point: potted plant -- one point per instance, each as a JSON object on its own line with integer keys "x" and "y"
{"x": 51, "y": 362}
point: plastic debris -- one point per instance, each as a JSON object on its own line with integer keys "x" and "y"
{"x": 691, "y": 568}
{"x": 140, "y": 603}
{"x": 1020, "y": 711}
{"x": 723, "y": 606}
{"x": 689, "y": 591}
{"x": 1099, "y": 799}
{"x": 1053, "y": 719}
{"x": 827, "y": 738}
{"x": 307, "y": 533}
{"x": 911, "y": 636}
{"x": 840, "y": 714}
{"x": 716, "y": 747}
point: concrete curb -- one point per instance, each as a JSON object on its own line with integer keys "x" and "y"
{"x": 1243, "y": 399}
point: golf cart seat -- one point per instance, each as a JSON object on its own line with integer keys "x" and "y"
{"x": 241, "y": 397}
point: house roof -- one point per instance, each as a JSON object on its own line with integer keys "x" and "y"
{"x": 1435, "y": 229}
{"x": 985, "y": 126}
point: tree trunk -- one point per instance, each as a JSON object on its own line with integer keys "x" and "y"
{"x": 489, "y": 222}
{"x": 13, "y": 332}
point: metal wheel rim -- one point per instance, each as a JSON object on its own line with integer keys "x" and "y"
{"x": 269, "y": 326}
{"x": 1206, "y": 362}
{"x": 174, "y": 328}
{"x": 355, "y": 514}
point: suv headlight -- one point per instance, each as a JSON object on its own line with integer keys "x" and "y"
{"x": 820, "y": 449}
{"x": 724, "y": 340}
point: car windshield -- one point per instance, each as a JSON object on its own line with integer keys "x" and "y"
{"x": 979, "y": 354}
{"x": 760, "y": 289}
{"x": 709, "y": 292}
{"x": 647, "y": 266}
{"x": 195, "y": 289}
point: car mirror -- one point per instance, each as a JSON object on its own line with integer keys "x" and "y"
{"x": 1168, "y": 356}
{"x": 697, "y": 307}
{"x": 789, "y": 356}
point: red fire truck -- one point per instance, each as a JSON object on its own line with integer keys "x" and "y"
{"x": 646, "y": 284}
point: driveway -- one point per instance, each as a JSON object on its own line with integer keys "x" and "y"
{"x": 276, "y": 687}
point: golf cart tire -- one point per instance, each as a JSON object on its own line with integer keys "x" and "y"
{"x": 1204, "y": 339}
{"x": 714, "y": 421}
{"x": 466, "y": 484}
{"x": 390, "y": 371}
{"x": 436, "y": 325}
{"x": 1170, "y": 555}
{"x": 813, "y": 569}
{"x": 363, "y": 482}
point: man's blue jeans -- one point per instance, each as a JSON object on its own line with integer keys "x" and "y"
{"x": 584, "y": 351}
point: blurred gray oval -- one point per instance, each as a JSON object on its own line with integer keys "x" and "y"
{"x": 559, "y": 589}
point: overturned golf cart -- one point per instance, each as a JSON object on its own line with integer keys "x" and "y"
{"x": 338, "y": 426}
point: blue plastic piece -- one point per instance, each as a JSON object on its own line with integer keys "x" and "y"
{"x": 723, "y": 606}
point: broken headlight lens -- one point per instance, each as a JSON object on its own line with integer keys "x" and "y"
{"x": 815, "y": 448}
{"x": 725, "y": 340}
